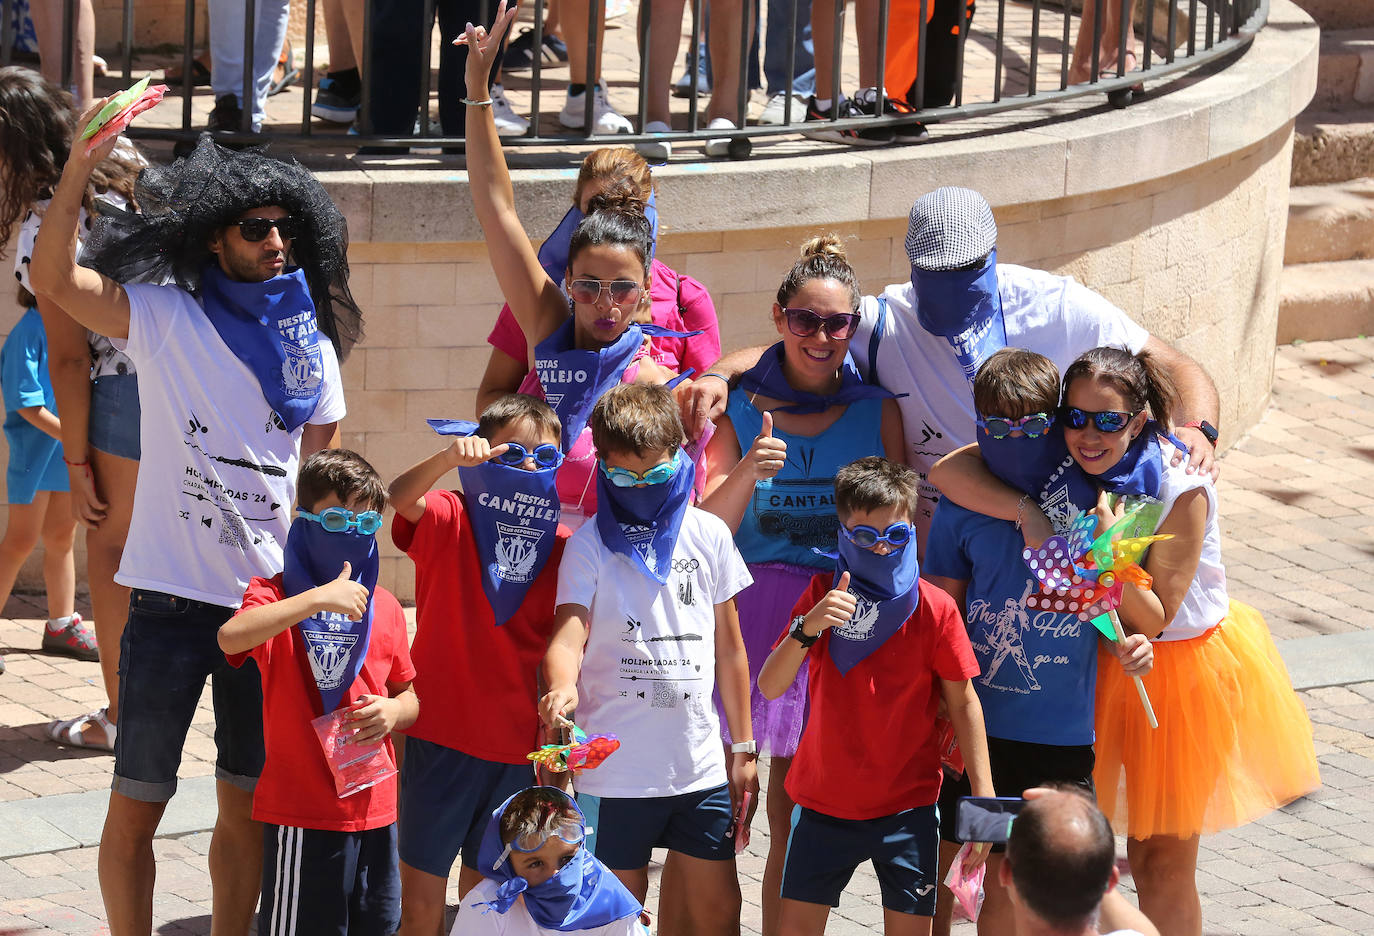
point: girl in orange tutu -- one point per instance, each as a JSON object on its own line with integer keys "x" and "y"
{"x": 1234, "y": 741}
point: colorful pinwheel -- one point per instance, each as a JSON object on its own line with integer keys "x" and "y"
{"x": 583, "y": 753}
{"x": 1085, "y": 576}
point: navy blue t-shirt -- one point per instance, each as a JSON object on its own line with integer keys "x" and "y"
{"x": 1039, "y": 668}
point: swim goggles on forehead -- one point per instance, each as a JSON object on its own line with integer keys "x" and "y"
{"x": 566, "y": 829}
{"x": 1108, "y": 421}
{"x": 545, "y": 456}
{"x": 866, "y": 537}
{"x": 339, "y": 519}
{"x": 624, "y": 477}
{"x": 1033, "y": 426}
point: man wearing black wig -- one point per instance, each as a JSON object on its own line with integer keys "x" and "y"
{"x": 238, "y": 363}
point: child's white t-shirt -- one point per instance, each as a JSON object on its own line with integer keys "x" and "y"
{"x": 649, "y": 670}
{"x": 516, "y": 921}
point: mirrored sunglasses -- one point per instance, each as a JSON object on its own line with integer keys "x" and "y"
{"x": 545, "y": 456}
{"x": 588, "y": 291}
{"x": 1033, "y": 426}
{"x": 804, "y": 323}
{"x": 255, "y": 229}
{"x": 624, "y": 477}
{"x": 1108, "y": 421}
{"x": 339, "y": 519}
{"x": 866, "y": 537}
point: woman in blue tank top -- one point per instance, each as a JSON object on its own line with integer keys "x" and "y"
{"x": 806, "y": 413}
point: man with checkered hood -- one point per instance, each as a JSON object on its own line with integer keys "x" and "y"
{"x": 238, "y": 360}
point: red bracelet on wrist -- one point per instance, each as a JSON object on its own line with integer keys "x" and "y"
{"x": 72, "y": 464}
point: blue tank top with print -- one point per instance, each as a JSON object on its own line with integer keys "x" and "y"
{"x": 795, "y": 510}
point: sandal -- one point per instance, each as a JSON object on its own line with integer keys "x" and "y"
{"x": 286, "y": 67}
{"x": 69, "y": 731}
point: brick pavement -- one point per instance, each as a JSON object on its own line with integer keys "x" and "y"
{"x": 1300, "y": 546}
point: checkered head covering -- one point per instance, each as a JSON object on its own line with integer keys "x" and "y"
{"x": 950, "y": 228}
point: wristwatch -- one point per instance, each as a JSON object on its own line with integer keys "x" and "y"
{"x": 801, "y": 636}
{"x": 1207, "y": 429}
{"x": 744, "y": 747}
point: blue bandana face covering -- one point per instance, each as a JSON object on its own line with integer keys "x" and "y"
{"x": 583, "y": 895}
{"x": 270, "y": 327}
{"x": 886, "y": 592}
{"x": 965, "y": 308}
{"x": 514, "y": 515}
{"x": 335, "y": 646}
{"x": 1042, "y": 468}
{"x": 1140, "y": 470}
{"x": 642, "y": 523}
{"x": 767, "y": 378}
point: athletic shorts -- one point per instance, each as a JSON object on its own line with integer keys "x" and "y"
{"x": 622, "y": 832}
{"x": 329, "y": 883}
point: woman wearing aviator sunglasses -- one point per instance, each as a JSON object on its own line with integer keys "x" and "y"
{"x": 806, "y": 414}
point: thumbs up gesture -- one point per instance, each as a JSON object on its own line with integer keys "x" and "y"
{"x": 342, "y": 596}
{"x": 834, "y": 610}
{"x": 768, "y": 454}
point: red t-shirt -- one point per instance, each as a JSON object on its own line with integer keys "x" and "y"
{"x": 296, "y": 787}
{"x": 870, "y": 747}
{"x": 476, "y": 681}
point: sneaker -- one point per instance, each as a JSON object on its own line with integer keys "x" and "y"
{"x": 773, "y": 112}
{"x": 508, "y": 122}
{"x": 737, "y": 147}
{"x": 333, "y": 104}
{"x": 227, "y": 115}
{"x": 683, "y": 86}
{"x": 656, "y": 150}
{"x": 605, "y": 119}
{"x": 72, "y": 638}
{"x": 520, "y": 53}
{"x": 865, "y": 99}
{"x": 875, "y": 136}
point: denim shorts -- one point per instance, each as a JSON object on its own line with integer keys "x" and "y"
{"x": 114, "y": 415}
{"x": 170, "y": 645}
{"x": 622, "y": 832}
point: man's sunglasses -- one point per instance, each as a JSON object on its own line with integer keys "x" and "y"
{"x": 545, "y": 456}
{"x": 339, "y": 519}
{"x": 866, "y": 537}
{"x": 256, "y": 229}
{"x": 588, "y": 291}
{"x": 1033, "y": 426}
{"x": 804, "y": 323}
{"x": 1107, "y": 421}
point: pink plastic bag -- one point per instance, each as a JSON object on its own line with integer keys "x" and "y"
{"x": 968, "y": 890}
{"x": 355, "y": 766}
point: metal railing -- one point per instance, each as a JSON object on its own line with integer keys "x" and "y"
{"x": 1225, "y": 27}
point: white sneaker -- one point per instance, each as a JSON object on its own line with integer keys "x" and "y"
{"x": 659, "y": 150}
{"x": 605, "y": 119}
{"x": 508, "y": 122}
{"x": 734, "y": 147}
{"x": 773, "y": 111}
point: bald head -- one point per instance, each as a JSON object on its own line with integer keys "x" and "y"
{"x": 1061, "y": 854}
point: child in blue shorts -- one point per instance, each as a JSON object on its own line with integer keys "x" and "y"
{"x": 646, "y": 630}
{"x": 40, "y": 504}
{"x": 884, "y": 648}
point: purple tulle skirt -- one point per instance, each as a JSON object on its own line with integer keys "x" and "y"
{"x": 765, "y": 610}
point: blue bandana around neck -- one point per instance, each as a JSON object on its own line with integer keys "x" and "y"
{"x": 886, "y": 590}
{"x": 583, "y": 895}
{"x": 270, "y": 327}
{"x": 335, "y": 646}
{"x": 1140, "y": 470}
{"x": 1043, "y": 469}
{"x": 965, "y": 307}
{"x": 514, "y": 515}
{"x": 642, "y": 523}
{"x": 553, "y": 253}
{"x": 767, "y": 378}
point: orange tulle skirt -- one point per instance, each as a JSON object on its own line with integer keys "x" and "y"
{"x": 1233, "y": 742}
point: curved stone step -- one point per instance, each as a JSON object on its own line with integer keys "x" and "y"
{"x": 1333, "y": 146}
{"x": 1345, "y": 70}
{"x": 1330, "y": 222}
{"x": 1339, "y": 14}
{"x": 1323, "y": 301}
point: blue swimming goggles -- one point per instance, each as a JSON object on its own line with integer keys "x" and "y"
{"x": 339, "y": 519}
{"x": 624, "y": 477}
{"x": 545, "y": 456}
{"x": 866, "y": 537}
{"x": 1032, "y": 426}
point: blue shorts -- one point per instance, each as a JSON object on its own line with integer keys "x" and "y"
{"x": 823, "y": 853}
{"x": 338, "y": 883}
{"x": 447, "y": 798}
{"x": 623, "y": 832}
{"x": 35, "y": 464}
{"x": 114, "y": 415}
{"x": 170, "y": 645}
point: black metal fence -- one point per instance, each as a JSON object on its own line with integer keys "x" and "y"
{"x": 1211, "y": 29}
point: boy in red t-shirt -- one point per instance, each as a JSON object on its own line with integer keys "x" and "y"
{"x": 486, "y": 576}
{"x": 883, "y": 649}
{"x": 327, "y": 639}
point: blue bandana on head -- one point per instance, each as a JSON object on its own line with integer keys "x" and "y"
{"x": 1042, "y": 468}
{"x": 583, "y": 895}
{"x": 553, "y": 253}
{"x": 767, "y": 378}
{"x": 642, "y": 523}
{"x": 886, "y": 591}
{"x": 514, "y": 515}
{"x": 965, "y": 307}
{"x": 334, "y": 645}
{"x": 270, "y": 327}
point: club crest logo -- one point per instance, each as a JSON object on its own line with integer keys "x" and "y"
{"x": 516, "y": 551}
{"x": 302, "y": 370}
{"x": 553, "y": 399}
{"x": 862, "y": 624}
{"x": 329, "y": 654}
{"x": 642, "y": 541}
